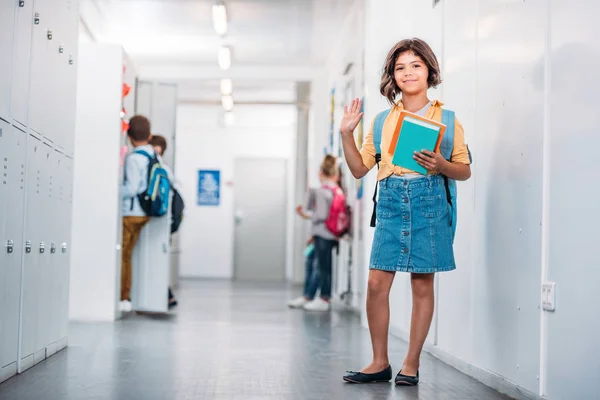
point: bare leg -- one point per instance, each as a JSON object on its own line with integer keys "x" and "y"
{"x": 422, "y": 314}
{"x": 378, "y": 314}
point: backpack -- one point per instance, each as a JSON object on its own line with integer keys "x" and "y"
{"x": 446, "y": 148}
{"x": 177, "y": 207}
{"x": 155, "y": 200}
{"x": 338, "y": 220}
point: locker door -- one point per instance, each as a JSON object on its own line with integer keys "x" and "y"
{"x": 29, "y": 323}
{"x": 45, "y": 228}
{"x": 4, "y": 153}
{"x": 21, "y": 63}
{"x": 57, "y": 222}
{"x": 150, "y": 264}
{"x": 17, "y": 145}
{"x": 42, "y": 69}
{"x": 53, "y": 102}
{"x": 7, "y": 27}
{"x": 64, "y": 256}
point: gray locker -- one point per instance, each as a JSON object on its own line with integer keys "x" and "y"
{"x": 31, "y": 264}
{"x": 21, "y": 63}
{"x": 41, "y": 79}
{"x": 43, "y": 282}
{"x": 64, "y": 255}
{"x": 54, "y": 284}
{"x": 7, "y": 26}
{"x": 14, "y": 143}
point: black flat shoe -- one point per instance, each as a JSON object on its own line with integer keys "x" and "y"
{"x": 359, "y": 377}
{"x": 407, "y": 380}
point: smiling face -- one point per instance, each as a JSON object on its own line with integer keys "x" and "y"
{"x": 410, "y": 67}
{"x": 411, "y": 73}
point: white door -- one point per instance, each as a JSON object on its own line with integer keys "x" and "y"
{"x": 260, "y": 212}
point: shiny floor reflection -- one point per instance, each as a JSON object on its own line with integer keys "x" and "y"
{"x": 228, "y": 341}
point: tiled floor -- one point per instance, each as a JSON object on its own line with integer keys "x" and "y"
{"x": 228, "y": 341}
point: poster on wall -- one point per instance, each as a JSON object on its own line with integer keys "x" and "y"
{"x": 209, "y": 188}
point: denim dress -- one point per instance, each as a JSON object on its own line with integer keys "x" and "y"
{"x": 413, "y": 232}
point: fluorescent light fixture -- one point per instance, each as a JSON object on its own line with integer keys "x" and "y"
{"x": 226, "y": 86}
{"x": 219, "y": 17}
{"x": 227, "y": 102}
{"x": 229, "y": 118}
{"x": 224, "y": 57}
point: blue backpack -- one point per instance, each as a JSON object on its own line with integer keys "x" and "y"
{"x": 155, "y": 200}
{"x": 446, "y": 148}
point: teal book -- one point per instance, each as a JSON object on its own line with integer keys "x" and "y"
{"x": 414, "y": 135}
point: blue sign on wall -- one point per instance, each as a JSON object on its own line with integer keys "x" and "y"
{"x": 209, "y": 188}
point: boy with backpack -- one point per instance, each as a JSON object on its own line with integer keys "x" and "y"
{"x": 145, "y": 194}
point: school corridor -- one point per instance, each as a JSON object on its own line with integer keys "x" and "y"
{"x": 218, "y": 199}
{"x": 229, "y": 341}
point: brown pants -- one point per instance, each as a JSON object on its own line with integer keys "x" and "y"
{"x": 132, "y": 227}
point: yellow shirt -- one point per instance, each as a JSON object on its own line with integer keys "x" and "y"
{"x": 460, "y": 153}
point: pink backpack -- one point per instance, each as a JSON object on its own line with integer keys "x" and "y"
{"x": 338, "y": 221}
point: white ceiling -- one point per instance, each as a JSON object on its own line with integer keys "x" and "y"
{"x": 174, "y": 40}
{"x": 274, "y": 32}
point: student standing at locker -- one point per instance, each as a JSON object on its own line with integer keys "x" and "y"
{"x": 414, "y": 231}
{"x": 135, "y": 181}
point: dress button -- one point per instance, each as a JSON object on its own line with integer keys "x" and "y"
{"x": 405, "y": 233}
{"x": 406, "y": 217}
{"x": 405, "y": 251}
{"x": 405, "y": 200}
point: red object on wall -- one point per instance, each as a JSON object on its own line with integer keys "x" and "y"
{"x": 124, "y": 126}
{"x": 126, "y": 89}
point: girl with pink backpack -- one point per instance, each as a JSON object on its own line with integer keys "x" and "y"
{"x": 330, "y": 220}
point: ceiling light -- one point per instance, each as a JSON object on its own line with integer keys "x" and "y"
{"x": 227, "y": 102}
{"x": 226, "y": 86}
{"x": 224, "y": 57}
{"x": 219, "y": 17}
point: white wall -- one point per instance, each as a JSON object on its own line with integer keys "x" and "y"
{"x": 203, "y": 142}
{"x": 516, "y": 73}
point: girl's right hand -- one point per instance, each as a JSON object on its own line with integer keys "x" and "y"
{"x": 352, "y": 117}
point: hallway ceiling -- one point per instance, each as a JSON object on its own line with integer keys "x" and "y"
{"x": 274, "y": 43}
{"x": 261, "y": 32}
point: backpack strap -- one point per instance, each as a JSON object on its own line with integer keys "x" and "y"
{"x": 377, "y": 134}
{"x": 144, "y": 153}
{"x": 448, "y": 118}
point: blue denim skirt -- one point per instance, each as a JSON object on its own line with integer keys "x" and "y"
{"x": 413, "y": 232}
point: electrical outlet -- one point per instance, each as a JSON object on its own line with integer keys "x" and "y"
{"x": 549, "y": 296}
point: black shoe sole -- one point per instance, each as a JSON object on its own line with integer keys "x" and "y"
{"x": 359, "y": 382}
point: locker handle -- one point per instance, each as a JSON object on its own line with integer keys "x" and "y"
{"x": 36, "y": 19}
{"x": 21, "y": 3}
{"x": 49, "y": 34}
{"x": 10, "y": 246}
{"x": 64, "y": 248}
{"x": 28, "y": 246}
{"x": 42, "y": 247}
{"x": 52, "y": 248}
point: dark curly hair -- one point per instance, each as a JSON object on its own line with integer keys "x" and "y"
{"x": 389, "y": 89}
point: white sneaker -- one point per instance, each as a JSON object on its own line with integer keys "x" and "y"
{"x": 317, "y": 304}
{"x": 297, "y": 302}
{"x": 125, "y": 306}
